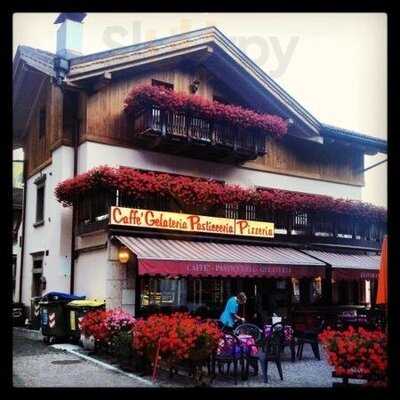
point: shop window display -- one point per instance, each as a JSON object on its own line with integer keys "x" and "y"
{"x": 163, "y": 291}
{"x": 295, "y": 290}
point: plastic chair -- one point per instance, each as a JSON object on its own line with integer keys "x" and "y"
{"x": 271, "y": 350}
{"x": 230, "y": 351}
{"x": 258, "y": 336}
{"x": 310, "y": 336}
{"x": 252, "y": 330}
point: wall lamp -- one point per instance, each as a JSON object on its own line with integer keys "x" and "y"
{"x": 123, "y": 255}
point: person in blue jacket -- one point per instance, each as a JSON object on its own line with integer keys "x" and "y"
{"x": 230, "y": 315}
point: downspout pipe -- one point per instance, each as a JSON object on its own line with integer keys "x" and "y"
{"x": 21, "y": 270}
{"x": 74, "y": 213}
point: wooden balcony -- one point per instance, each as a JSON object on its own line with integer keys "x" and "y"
{"x": 301, "y": 228}
{"x": 188, "y": 135}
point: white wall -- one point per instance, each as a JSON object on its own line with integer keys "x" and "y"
{"x": 95, "y": 154}
{"x": 90, "y": 274}
{"x": 17, "y": 251}
{"x": 99, "y": 275}
{"x": 55, "y": 234}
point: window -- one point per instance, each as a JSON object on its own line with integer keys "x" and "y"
{"x": 162, "y": 291}
{"x": 316, "y": 293}
{"x": 212, "y": 292}
{"x": 42, "y": 122}
{"x": 295, "y": 290}
{"x": 40, "y": 184}
{"x": 165, "y": 85}
{"x": 37, "y": 272}
{"x": 40, "y": 204}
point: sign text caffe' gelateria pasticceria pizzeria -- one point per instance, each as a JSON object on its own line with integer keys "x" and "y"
{"x": 189, "y": 223}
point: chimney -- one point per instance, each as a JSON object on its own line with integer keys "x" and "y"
{"x": 69, "y": 35}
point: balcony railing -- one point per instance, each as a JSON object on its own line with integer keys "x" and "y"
{"x": 323, "y": 228}
{"x": 187, "y": 134}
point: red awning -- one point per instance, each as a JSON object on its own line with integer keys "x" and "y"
{"x": 349, "y": 266}
{"x": 183, "y": 258}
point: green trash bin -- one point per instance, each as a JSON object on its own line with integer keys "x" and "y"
{"x": 54, "y": 316}
{"x": 35, "y": 312}
{"x": 18, "y": 314}
{"x": 76, "y": 309}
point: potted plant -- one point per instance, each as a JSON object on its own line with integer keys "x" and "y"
{"x": 94, "y": 330}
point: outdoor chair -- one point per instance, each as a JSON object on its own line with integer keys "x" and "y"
{"x": 258, "y": 336}
{"x": 310, "y": 336}
{"x": 229, "y": 352}
{"x": 271, "y": 350}
{"x": 288, "y": 342}
{"x": 252, "y": 330}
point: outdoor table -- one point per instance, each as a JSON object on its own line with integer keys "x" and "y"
{"x": 248, "y": 346}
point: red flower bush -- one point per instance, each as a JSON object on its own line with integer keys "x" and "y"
{"x": 166, "y": 99}
{"x": 180, "y": 336}
{"x": 103, "y": 325}
{"x": 357, "y": 352}
{"x": 204, "y": 194}
{"x": 94, "y": 324}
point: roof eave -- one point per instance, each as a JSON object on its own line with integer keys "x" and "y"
{"x": 372, "y": 145}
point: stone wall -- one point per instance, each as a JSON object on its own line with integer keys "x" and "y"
{"x": 120, "y": 283}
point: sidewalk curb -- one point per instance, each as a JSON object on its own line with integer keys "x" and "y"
{"x": 104, "y": 364}
{"x": 27, "y": 333}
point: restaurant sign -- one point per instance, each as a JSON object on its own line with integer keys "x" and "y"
{"x": 189, "y": 223}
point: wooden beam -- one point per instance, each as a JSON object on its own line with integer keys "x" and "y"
{"x": 34, "y": 103}
{"x": 102, "y": 81}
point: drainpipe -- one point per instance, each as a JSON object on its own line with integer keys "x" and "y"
{"x": 22, "y": 234}
{"x": 74, "y": 213}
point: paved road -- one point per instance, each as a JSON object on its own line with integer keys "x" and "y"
{"x": 38, "y": 365}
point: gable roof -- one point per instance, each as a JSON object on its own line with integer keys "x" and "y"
{"x": 225, "y": 60}
{"x": 222, "y": 57}
{"x": 40, "y": 60}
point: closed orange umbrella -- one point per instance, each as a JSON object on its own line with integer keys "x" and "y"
{"x": 381, "y": 297}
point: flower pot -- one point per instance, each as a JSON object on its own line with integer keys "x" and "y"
{"x": 88, "y": 343}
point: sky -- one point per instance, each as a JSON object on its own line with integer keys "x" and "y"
{"x": 333, "y": 64}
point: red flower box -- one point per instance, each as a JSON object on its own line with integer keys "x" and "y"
{"x": 203, "y": 194}
{"x": 166, "y": 99}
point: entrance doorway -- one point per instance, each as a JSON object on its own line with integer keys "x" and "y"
{"x": 37, "y": 273}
